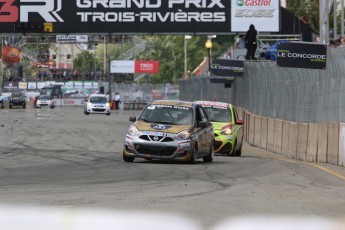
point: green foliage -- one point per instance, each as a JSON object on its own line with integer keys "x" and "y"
{"x": 167, "y": 48}
{"x": 84, "y": 62}
{"x": 307, "y": 9}
{"x": 113, "y": 51}
{"x": 310, "y": 11}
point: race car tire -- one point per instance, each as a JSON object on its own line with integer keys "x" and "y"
{"x": 194, "y": 154}
{"x": 238, "y": 152}
{"x": 209, "y": 158}
{"x": 127, "y": 158}
{"x": 233, "y": 152}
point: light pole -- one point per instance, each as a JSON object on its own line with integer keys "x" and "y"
{"x": 208, "y": 46}
{"x": 186, "y": 37}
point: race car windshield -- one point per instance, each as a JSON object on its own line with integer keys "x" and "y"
{"x": 44, "y": 97}
{"x": 17, "y": 94}
{"x": 167, "y": 114}
{"x": 218, "y": 114}
{"x": 98, "y": 100}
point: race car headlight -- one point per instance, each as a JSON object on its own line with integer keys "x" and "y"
{"x": 107, "y": 104}
{"x": 133, "y": 130}
{"x": 38, "y": 101}
{"x": 183, "y": 134}
{"x": 227, "y": 130}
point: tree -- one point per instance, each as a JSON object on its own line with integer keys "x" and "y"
{"x": 85, "y": 62}
{"x": 167, "y": 48}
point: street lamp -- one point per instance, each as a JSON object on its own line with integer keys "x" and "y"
{"x": 186, "y": 37}
{"x": 208, "y": 46}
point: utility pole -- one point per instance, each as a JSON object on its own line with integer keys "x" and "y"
{"x": 324, "y": 21}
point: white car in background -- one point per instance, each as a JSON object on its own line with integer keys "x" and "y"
{"x": 97, "y": 103}
{"x": 44, "y": 101}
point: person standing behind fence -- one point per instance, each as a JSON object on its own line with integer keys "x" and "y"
{"x": 251, "y": 43}
{"x": 117, "y": 100}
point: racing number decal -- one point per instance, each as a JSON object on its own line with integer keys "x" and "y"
{"x": 8, "y": 12}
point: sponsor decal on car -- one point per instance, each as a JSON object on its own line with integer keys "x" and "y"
{"x": 160, "y": 126}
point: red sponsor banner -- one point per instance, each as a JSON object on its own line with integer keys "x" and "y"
{"x": 146, "y": 66}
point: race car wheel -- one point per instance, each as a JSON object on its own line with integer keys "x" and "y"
{"x": 127, "y": 158}
{"x": 24, "y": 106}
{"x": 233, "y": 152}
{"x": 194, "y": 154}
{"x": 86, "y": 113}
{"x": 108, "y": 114}
{"x": 209, "y": 158}
{"x": 10, "y": 106}
{"x": 238, "y": 152}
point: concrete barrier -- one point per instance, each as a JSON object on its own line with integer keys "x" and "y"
{"x": 333, "y": 143}
{"x": 310, "y": 142}
{"x": 278, "y": 135}
{"x": 285, "y": 138}
{"x": 313, "y": 133}
{"x": 251, "y": 129}
{"x": 302, "y": 141}
{"x": 341, "y": 144}
{"x": 264, "y": 130}
{"x": 293, "y": 139}
{"x": 270, "y": 135}
{"x": 322, "y": 143}
{"x": 257, "y": 129}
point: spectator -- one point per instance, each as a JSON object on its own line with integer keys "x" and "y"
{"x": 107, "y": 95}
{"x": 166, "y": 89}
{"x": 240, "y": 43}
{"x": 251, "y": 43}
{"x": 117, "y": 100}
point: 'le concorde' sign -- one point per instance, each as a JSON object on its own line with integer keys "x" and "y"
{"x": 302, "y": 55}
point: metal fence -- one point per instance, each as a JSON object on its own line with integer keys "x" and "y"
{"x": 293, "y": 94}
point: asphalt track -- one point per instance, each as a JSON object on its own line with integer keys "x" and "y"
{"x": 62, "y": 158}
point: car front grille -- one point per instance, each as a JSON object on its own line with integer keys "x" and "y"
{"x": 98, "y": 110}
{"x": 217, "y": 144}
{"x": 226, "y": 149}
{"x": 155, "y": 149}
{"x": 156, "y": 138}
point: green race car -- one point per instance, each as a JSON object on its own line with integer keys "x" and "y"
{"x": 228, "y": 128}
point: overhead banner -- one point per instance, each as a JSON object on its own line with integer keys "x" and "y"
{"x": 263, "y": 14}
{"x": 72, "y": 39}
{"x": 146, "y": 66}
{"x": 227, "y": 68}
{"x": 120, "y": 16}
{"x": 122, "y": 67}
{"x": 137, "y": 66}
{"x": 302, "y": 55}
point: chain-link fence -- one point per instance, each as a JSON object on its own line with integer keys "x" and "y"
{"x": 293, "y": 94}
{"x": 142, "y": 92}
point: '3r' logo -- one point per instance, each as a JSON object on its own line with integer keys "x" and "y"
{"x": 46, "y": 8}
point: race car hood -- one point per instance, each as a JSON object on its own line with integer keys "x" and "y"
{"x": 144, "y": 126}
{"x": 217, "y": 126}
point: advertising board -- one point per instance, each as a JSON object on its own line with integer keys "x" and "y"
{"x": 223, "y": 68}
{"x": 302, "y": 55}
{"x": 263, "y": 14}
{"x": 121, "y": 16}
{"x": 137, "y": 66}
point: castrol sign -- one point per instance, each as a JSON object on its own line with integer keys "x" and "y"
{"x": 263, "y": 14}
